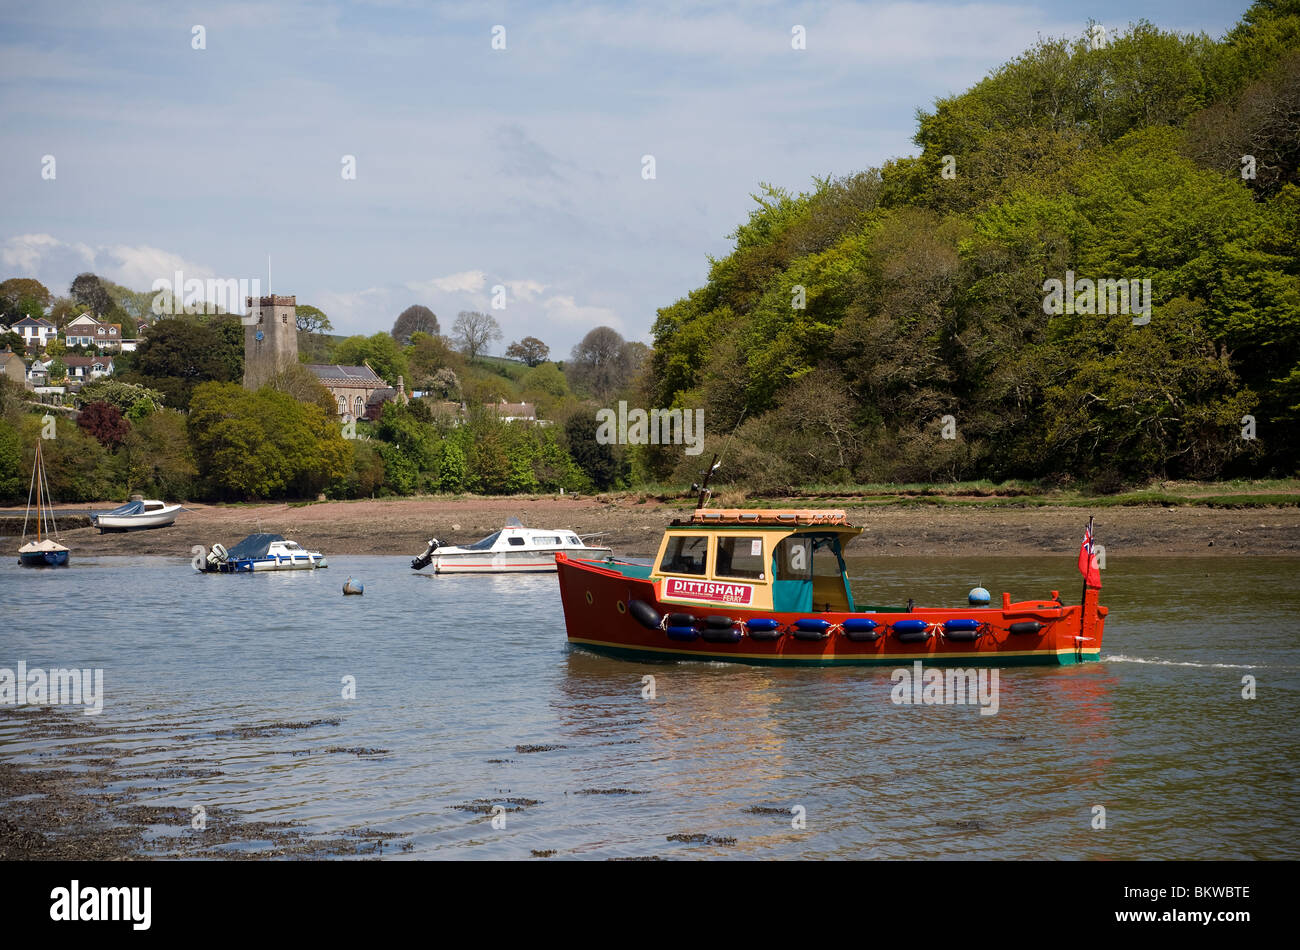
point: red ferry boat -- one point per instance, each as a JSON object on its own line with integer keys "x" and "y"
{"x": 770, "y": 587}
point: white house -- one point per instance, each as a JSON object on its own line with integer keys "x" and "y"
{"x": 81, "y": 331}
{"x": 85, "y": 330}
{"x": 35, "y": 332}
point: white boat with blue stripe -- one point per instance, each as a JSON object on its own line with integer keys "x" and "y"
{"x": 262, "y": 552}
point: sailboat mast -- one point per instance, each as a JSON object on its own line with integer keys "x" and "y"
{"x": 49, "y": 509}
{"x": 40, "y": 482}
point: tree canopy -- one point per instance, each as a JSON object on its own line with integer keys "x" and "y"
{"x": 416, "y": 318}
{"x": 916, "y": 292}
{"x": 473, "y": 332}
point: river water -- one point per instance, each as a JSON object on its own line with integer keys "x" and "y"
{"x": 468, "y": 696}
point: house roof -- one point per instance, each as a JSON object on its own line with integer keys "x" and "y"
{"x": 79, "y": 318}
{"x": 71, "y": 360}
{"x": 524, "y": 410}
{"x": 29, "y": 322}
{"x": 360, "y": 377}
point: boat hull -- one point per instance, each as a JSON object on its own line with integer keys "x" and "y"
{"x": 507, "y": 562}
{"x": 263, "y": 564}
{"x": 598, "y": 617}
{"x": 135, "y": 522}
{"x": 43, "y": 558}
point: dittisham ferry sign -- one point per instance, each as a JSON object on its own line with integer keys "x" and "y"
{"x": 771, "y": 587}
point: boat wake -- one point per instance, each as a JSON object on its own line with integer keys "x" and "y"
{"x": 1120, "y": 658}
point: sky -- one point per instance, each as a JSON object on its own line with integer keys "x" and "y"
{"x": 476, "y": 168}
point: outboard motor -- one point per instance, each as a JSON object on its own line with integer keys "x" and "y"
{"x": 216, "y": 557}
{"x": 427, "y": 557}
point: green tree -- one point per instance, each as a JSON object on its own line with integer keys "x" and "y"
{"x": 596, "y": 460}
{"x": 23, "y": 297}
{"x": 474, "y": 332}
{"x": 530, "y": 350}
{"x": 179, "y": 354}
{"x": 133, "y": 400}
{"x": 264, "y": 444}
{"x": 155, "y": 457}
{"x": 452, "y": 467}
{"x": 13, "y": 486}
{"x": 416, "y": 318}
{"x": 89, "y": 292}
{"x": 380, "y": 351}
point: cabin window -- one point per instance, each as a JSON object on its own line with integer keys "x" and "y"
{"x": 686, "y": 554}
{"x": 573, "y": 539}
{"x": 518, "y": 542}
{"x": 740, "y": 557}
{"x": 794, "y": 559}
{"x": 553, "y": 542}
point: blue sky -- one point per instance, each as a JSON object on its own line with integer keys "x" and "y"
{"x": 475, "y": 167}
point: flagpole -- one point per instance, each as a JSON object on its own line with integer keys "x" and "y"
{"x": 1083, "y": 601}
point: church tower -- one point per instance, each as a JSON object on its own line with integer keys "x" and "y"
{"x": 270, "y": 338}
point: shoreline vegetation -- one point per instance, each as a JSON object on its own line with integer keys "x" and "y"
{"x": 1078, "y": 278}
{"x": 1169, "y": 519}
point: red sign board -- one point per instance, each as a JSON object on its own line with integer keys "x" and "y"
{"x": 718, "y": 592}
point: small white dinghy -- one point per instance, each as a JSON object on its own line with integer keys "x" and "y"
{"x": 136, "y": 513}
{"x": 513, "y": 549}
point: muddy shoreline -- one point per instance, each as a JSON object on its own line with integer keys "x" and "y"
{"x": 401, "y": 527}
{"x": 93, "y": 806}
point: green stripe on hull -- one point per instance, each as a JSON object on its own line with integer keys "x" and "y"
{"x": 1018, "y": 658}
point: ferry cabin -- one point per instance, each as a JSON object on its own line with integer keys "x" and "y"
{"x": 758, "y": 561}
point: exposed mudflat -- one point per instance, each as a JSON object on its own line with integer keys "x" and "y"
{"x": 98, "y": 810}
{"x": 633, "y": 528}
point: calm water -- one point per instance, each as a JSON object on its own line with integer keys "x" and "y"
{"x": 454, "y": 673}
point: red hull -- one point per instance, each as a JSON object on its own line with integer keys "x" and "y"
{"x": 597, "y": 602}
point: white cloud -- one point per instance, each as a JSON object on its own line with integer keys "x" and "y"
{"x": 524, "y": 290}
{"x": 31, "y": 254}
{"x": 466, "y": 282}
{"x": 55, "y": 262}
{"x": 563, "y": 309}
{"x": 138, "y": 267}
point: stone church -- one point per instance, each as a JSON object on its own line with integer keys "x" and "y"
{"x": 271, "y": 346}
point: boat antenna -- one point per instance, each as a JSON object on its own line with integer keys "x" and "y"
{"x": 703, "y": 485}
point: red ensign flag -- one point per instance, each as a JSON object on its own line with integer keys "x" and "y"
{"x": 1088, "y": 565}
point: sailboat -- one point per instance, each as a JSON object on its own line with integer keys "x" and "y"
{"x": 44, "y": 551}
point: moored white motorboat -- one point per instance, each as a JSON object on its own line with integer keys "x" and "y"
{"x": 513, "y": 549}
{"x": 137, "y": 513}
{"x": 261, "y": 552}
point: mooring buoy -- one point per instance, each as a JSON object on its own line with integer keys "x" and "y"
{"x": 353, "y": 587}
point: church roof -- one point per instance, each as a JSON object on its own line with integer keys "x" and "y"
{"x": 361, "y": 377}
